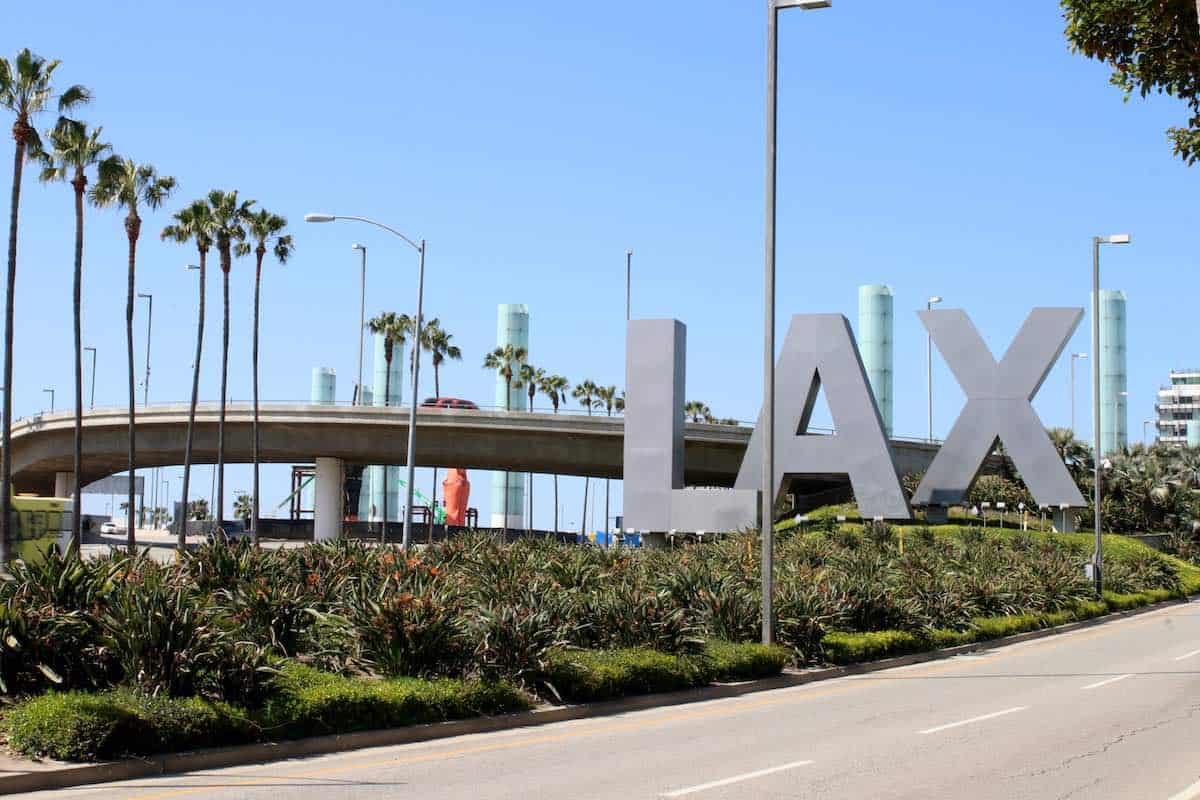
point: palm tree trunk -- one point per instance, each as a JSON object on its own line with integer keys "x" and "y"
{"x": 387, "y": 391}
{"x": 556, "y": 504}
{"x": 187, "y": 450}
{"x": 586, "y": 481}
{"x": 225, "y": 267}
{"x": 76, "y": 518}
{"x": 254, "y": 358}
{"x": 20, "y": 132}
{"x": 130, "y": 525}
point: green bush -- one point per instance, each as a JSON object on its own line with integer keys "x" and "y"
{"x": 307, "y": 702}
{"x": 589, "y": 675}
{"x": 75, "y": 726}
{"x": 1124, "y": 602}
{"x": 726, "y": 661}
{"x": 850, "y": 648}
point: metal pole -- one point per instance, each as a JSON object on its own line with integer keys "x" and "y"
{"x": 93, "y": 402}
{"x": 51, "y": 391}
{"x": 412, "y": 411}
{"x": 929, "y": 371}
{"x": 362, "y": 319}
{"x": 1098, "y": 555}
{"x": 766, "y": 510}
{"x": 149, "y": 329}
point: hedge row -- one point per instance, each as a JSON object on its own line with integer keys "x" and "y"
{"x": 304, "y": 701}
{"x": 842, "y": 647}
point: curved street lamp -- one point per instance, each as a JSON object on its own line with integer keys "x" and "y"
{"x": 412, "y": 411}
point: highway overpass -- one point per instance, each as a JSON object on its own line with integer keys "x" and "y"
{"x": 334, "y": 435}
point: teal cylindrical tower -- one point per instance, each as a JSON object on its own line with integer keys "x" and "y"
{"x": 1114, "y": 426}
{"x": 324, "y": 386}
{"x": 512, "y": 327}
{"x": 395, "y": 391}
{"x": 1193, "y": 433}
{"x": 875, "y": 345}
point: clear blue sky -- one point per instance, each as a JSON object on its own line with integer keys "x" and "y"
{"x": 957, "y": 149}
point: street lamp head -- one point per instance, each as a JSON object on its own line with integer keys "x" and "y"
{"x": 1078, "y": 355}
{"x": 143, "y": 294}
{"x": 319, "y": 217}
{"x": 806, "y": 5}
{"x": 357, "y": 246}
{"x": 1116, "y": 238}
{"x": 934, "y": 299}
{"x": 193, "y": 266}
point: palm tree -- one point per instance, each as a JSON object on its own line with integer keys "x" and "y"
{"x": 1074, "y": 453}
{"x": 697, "y": 411}
{"x": 555, "y": 387}
{"x": 126, "y": 184}
{"x": 262, "y": 226}
{"x": 607, "y": 398}
{"x": 532, "y": 377}
{"x": 243, "y": 508}
{"x": 507, "y": 360}
{"x": 393, "y": 328}
{"x": 74, "y": 149}
{"x": 440, "y": 348}
{"x": 192, "y": 223}
{"x": 25, "y": 91}
{"x": 229, "y": 218}
{"x": 585, "y": 393}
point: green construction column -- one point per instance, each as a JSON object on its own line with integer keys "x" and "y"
{"x": 875, "y": 345}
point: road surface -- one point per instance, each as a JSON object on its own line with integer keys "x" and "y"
{"x": 1111, "y": 711}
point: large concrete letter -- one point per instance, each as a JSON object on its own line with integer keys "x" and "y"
{"x": 655, "y": 376}
{"x": 998, "y": 406}
{"x": 820, "y": 350}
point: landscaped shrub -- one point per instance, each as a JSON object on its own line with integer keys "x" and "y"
{"x": 725, "y": 661}
{"x": 841, "y": 647}
{"x": 75, "y": 726}
{"x": 307, "y": 702}
{"x": 591, "y": 675}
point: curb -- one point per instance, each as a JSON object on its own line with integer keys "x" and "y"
{"x": 67, "y": 775}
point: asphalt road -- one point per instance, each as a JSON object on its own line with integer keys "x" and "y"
{"x": 1111, "y": 711}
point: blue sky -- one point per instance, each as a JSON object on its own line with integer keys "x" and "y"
{"x": 955, "y": 149}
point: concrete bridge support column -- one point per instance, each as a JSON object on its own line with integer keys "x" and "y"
{"x": 64, "y": 484}
{"x": 327, "y": 499}
{"x": 1064, "y": 520}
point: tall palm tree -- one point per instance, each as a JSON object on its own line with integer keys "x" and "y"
{"x": 25, "y": 91}
{"x": 606, "y": 398}
{"x": 73, "y": 150}
{"x": 192, "y": 223}
{"x": 126, "y": 184}
{"x": 554, "y": 387}
{"x": 262, "y": 226}
{"x": 585, "y": 393}
{"x": 440, "y": 348}
{"x": 531, "y": 376}
{"x": 394, "y": 328}
{"x": 507, "y": 360}
{"x": 229, "y": 216}
{"x": 1075, "y": 454}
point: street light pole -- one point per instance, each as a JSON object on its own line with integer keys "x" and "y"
{"x": 93, "y": 376}
{"x": 1098, "y": 553}
{"x": 149, "y": 329}
{"x": 416, "y": 370}
{"x": 1074, "y": 357}
{"x": 362, "y": 316}
{"x": 146, "y": 388}
{"x": 766, "y": 510}
{"x": 51, "y": 391}
{"x": 929, "y": 304}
